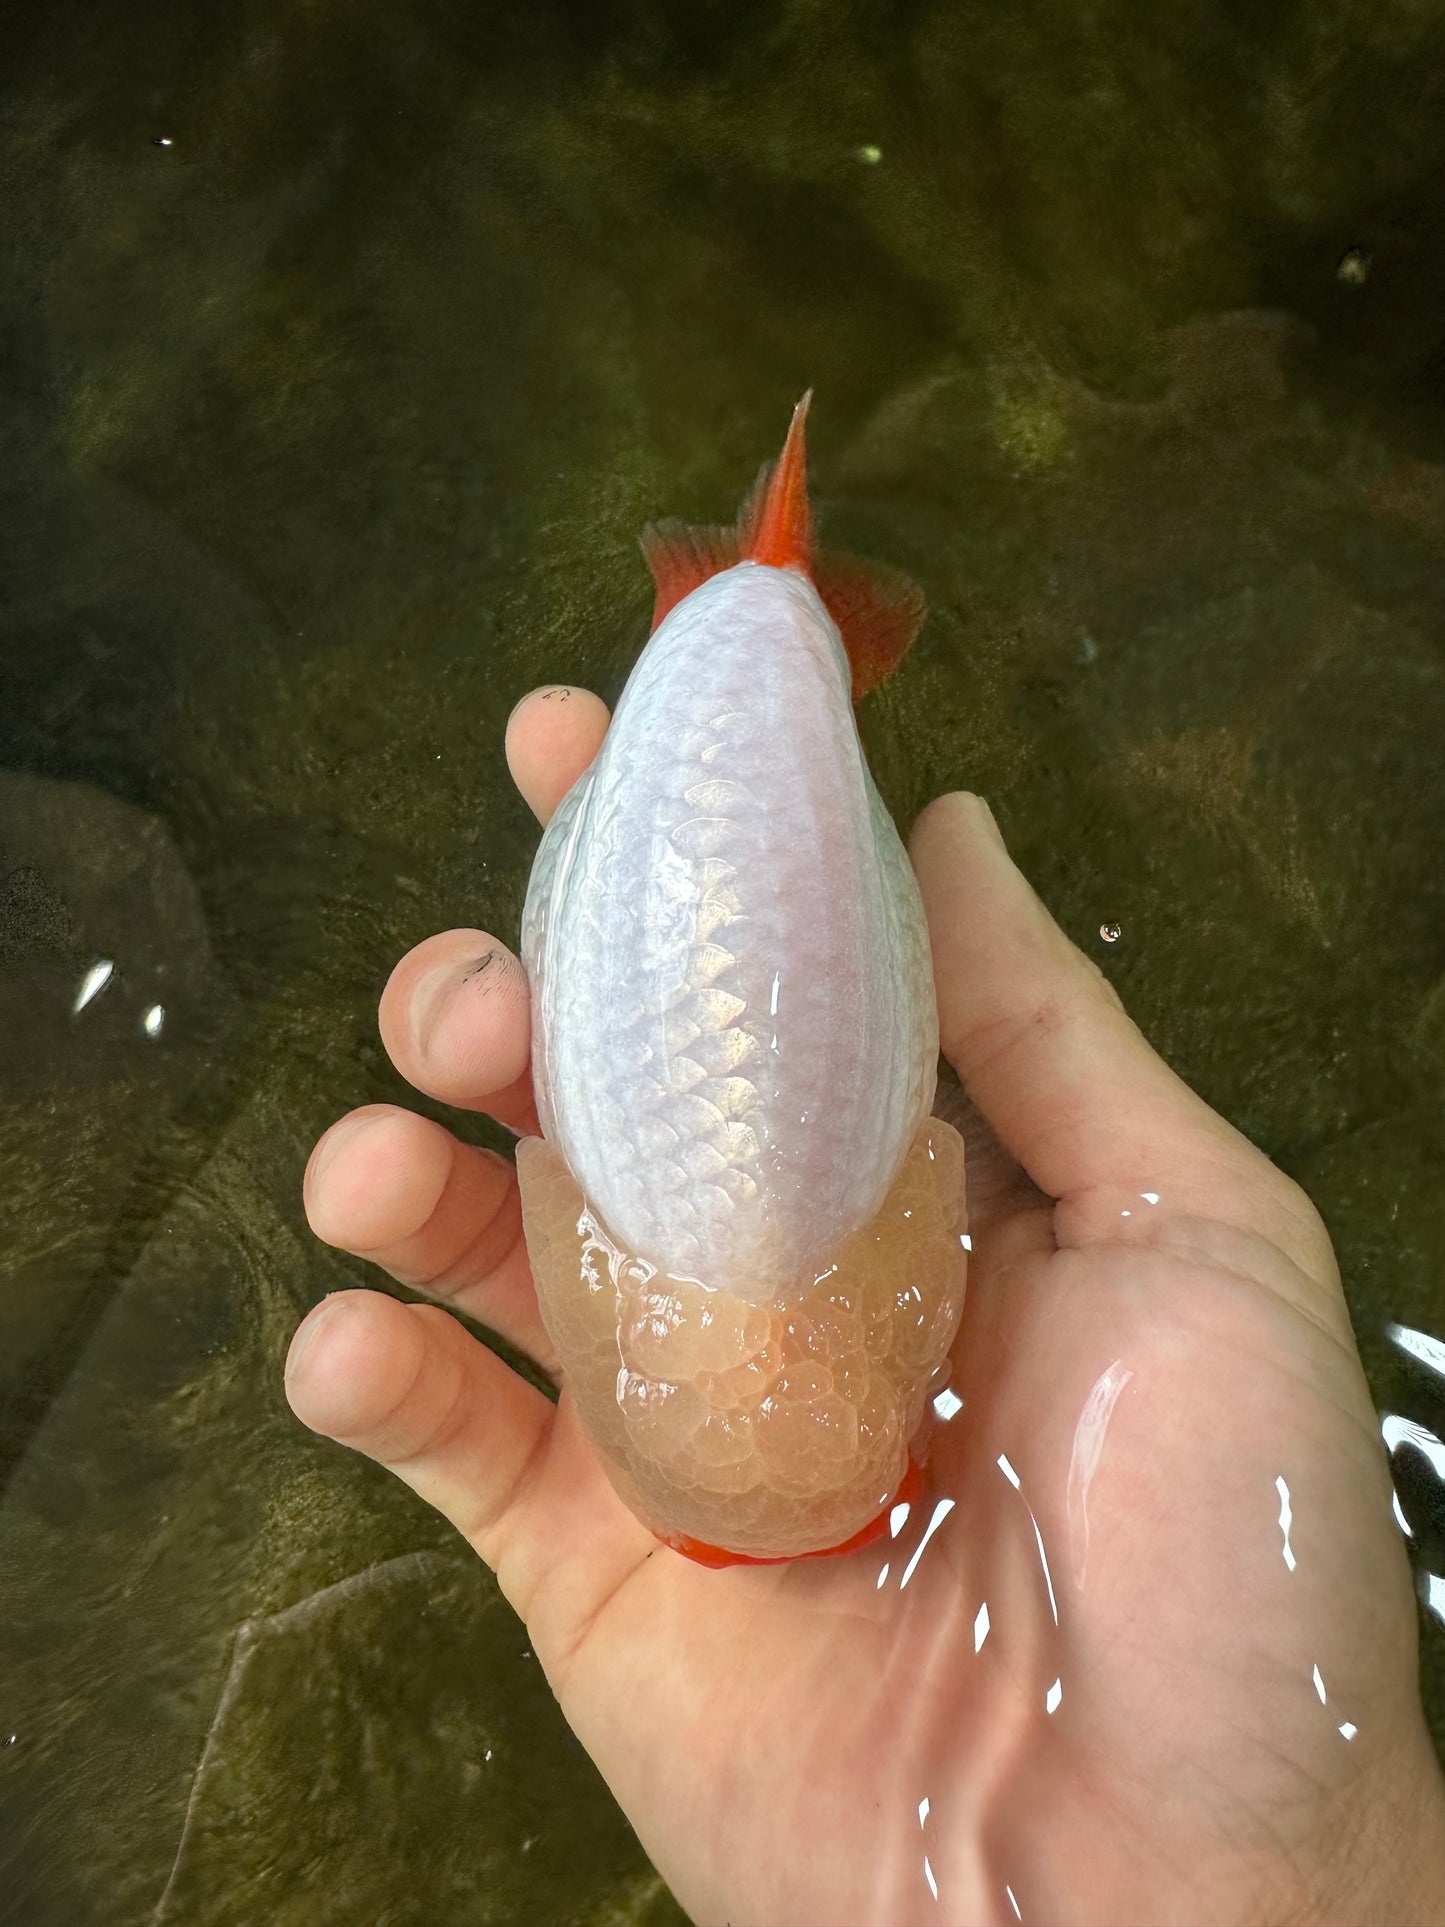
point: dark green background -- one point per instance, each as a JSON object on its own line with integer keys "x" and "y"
{"x": 328, "y": 430}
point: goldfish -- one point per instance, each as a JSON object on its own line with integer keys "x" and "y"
{"x": 743, "y": 1220}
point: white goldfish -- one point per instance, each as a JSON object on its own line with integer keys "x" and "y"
{"x": 734, "y": 1048}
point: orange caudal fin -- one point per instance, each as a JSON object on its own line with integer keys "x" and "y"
{"x": 682, "y": 555}
{"x": 878, "y": 610}
{"x": 718, "y": 1559}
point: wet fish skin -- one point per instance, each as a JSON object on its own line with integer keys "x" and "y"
{"x": 734, "y": 1029}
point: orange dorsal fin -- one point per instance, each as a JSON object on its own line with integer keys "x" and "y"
{"x": 774, "y": 525}
{"x": 781, "y": 532}
{"x": 878, "y": 610}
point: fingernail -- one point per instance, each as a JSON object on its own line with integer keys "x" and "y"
{"x": 549, "y": 692}
{"x": 305, "y": 1336}
{"x": 989, "y": 820}
{"x": 336, "y": 1139}
{"x": 432, "y": 996}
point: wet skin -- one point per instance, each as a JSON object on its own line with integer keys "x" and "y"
{"x": 1195, "y": 1698}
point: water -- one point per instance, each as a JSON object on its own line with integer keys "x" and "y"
{"x": 329, "y": 430}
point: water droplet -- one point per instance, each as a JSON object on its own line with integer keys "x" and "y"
{"x": 1111, "y": 932}
{"x": 1354, "y": 267}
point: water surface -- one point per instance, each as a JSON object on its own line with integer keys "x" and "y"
{"x": 347, "y": 348}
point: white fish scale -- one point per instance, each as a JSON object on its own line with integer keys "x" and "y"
{"x": 734, "y": 1028}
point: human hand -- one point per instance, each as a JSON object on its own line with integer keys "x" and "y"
{"x": 1144, "y": 1650}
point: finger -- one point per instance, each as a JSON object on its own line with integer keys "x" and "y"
{"x": 1068, "y": 1084}
{"x": 456, "y": 1021}
{"x": 407, "y": 1386}
{"x": 552, "y": 735}
{"x": 438, "y": 1215}
{"x": 998, "y": 1190}
{"x": 513, "y": 1473}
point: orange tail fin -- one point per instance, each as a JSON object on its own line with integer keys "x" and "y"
{"x": 717, "y": 1558}
{"x": 878, "y": 610}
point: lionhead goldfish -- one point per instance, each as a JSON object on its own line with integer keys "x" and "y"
{"x": 742, "y": 1219}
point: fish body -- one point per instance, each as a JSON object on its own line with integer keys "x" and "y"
{"x": 734, "y": 1053}
{"x": 735, "y": 1034}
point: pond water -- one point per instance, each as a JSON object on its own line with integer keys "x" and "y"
{"x": 348, "y": 348}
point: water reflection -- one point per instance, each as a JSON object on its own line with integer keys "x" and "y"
{"x": 1009, "y": 1473}
{"x": 1088, "y": 1447}
{"x": 1420, "y": 1345}
{"x": 92, "y": 983}
{"x": 941, "y": 1510}
{"x": 1401, "y": 1432}
{"x": 1286, "y": 1520}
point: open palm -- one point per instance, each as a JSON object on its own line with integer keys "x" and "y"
{"x": 1144, "y": 1648}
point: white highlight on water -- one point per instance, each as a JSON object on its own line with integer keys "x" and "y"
{"x": 1286, "y": 1520}
{"x": 940, "y": 1513}
{"x": 1430, "y": 1351}
{"x": 92, "y": 984}
{"x": 1088, "y": 1447}
{"x": 1397, "y": 1431}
